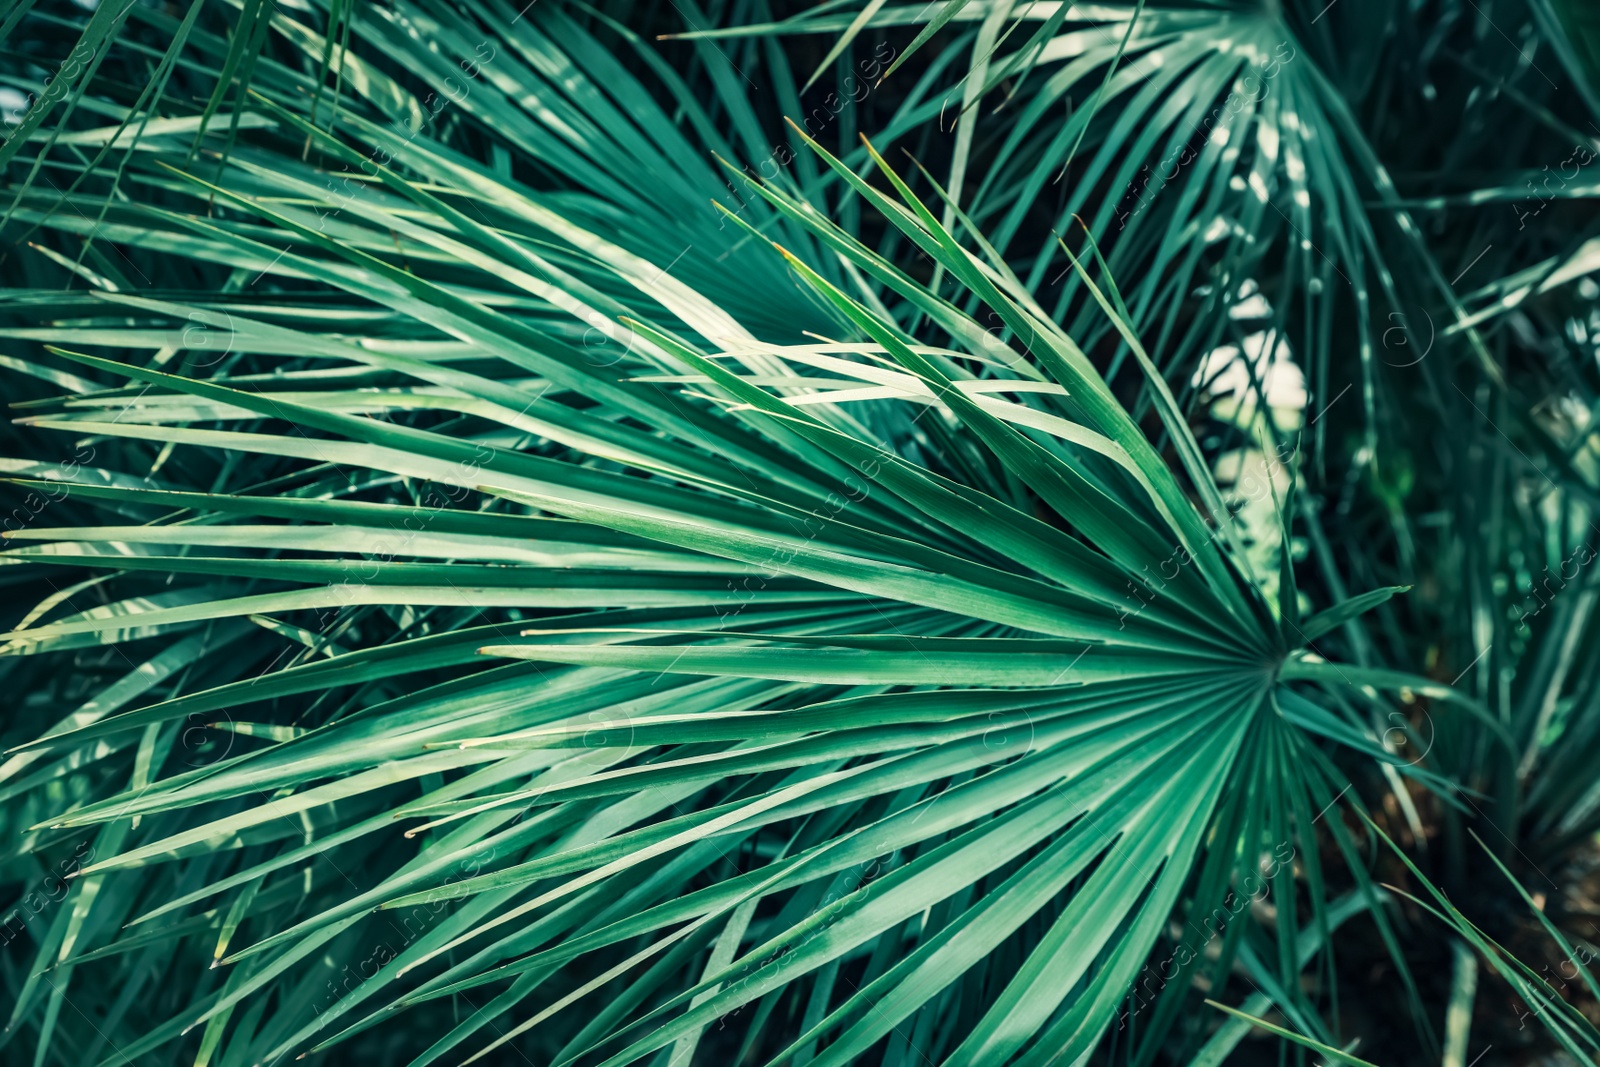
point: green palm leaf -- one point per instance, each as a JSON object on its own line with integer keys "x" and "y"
{"x": 1031, "y": 701}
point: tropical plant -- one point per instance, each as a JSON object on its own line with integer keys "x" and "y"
{"x": 518, "y": 555}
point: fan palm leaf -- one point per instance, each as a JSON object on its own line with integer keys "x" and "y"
{"x": 801, "y": 719}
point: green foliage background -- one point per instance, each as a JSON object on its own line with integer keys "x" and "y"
{"x": 957, "y": 533}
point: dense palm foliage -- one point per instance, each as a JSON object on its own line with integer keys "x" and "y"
{"x": 517, "y": 554}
